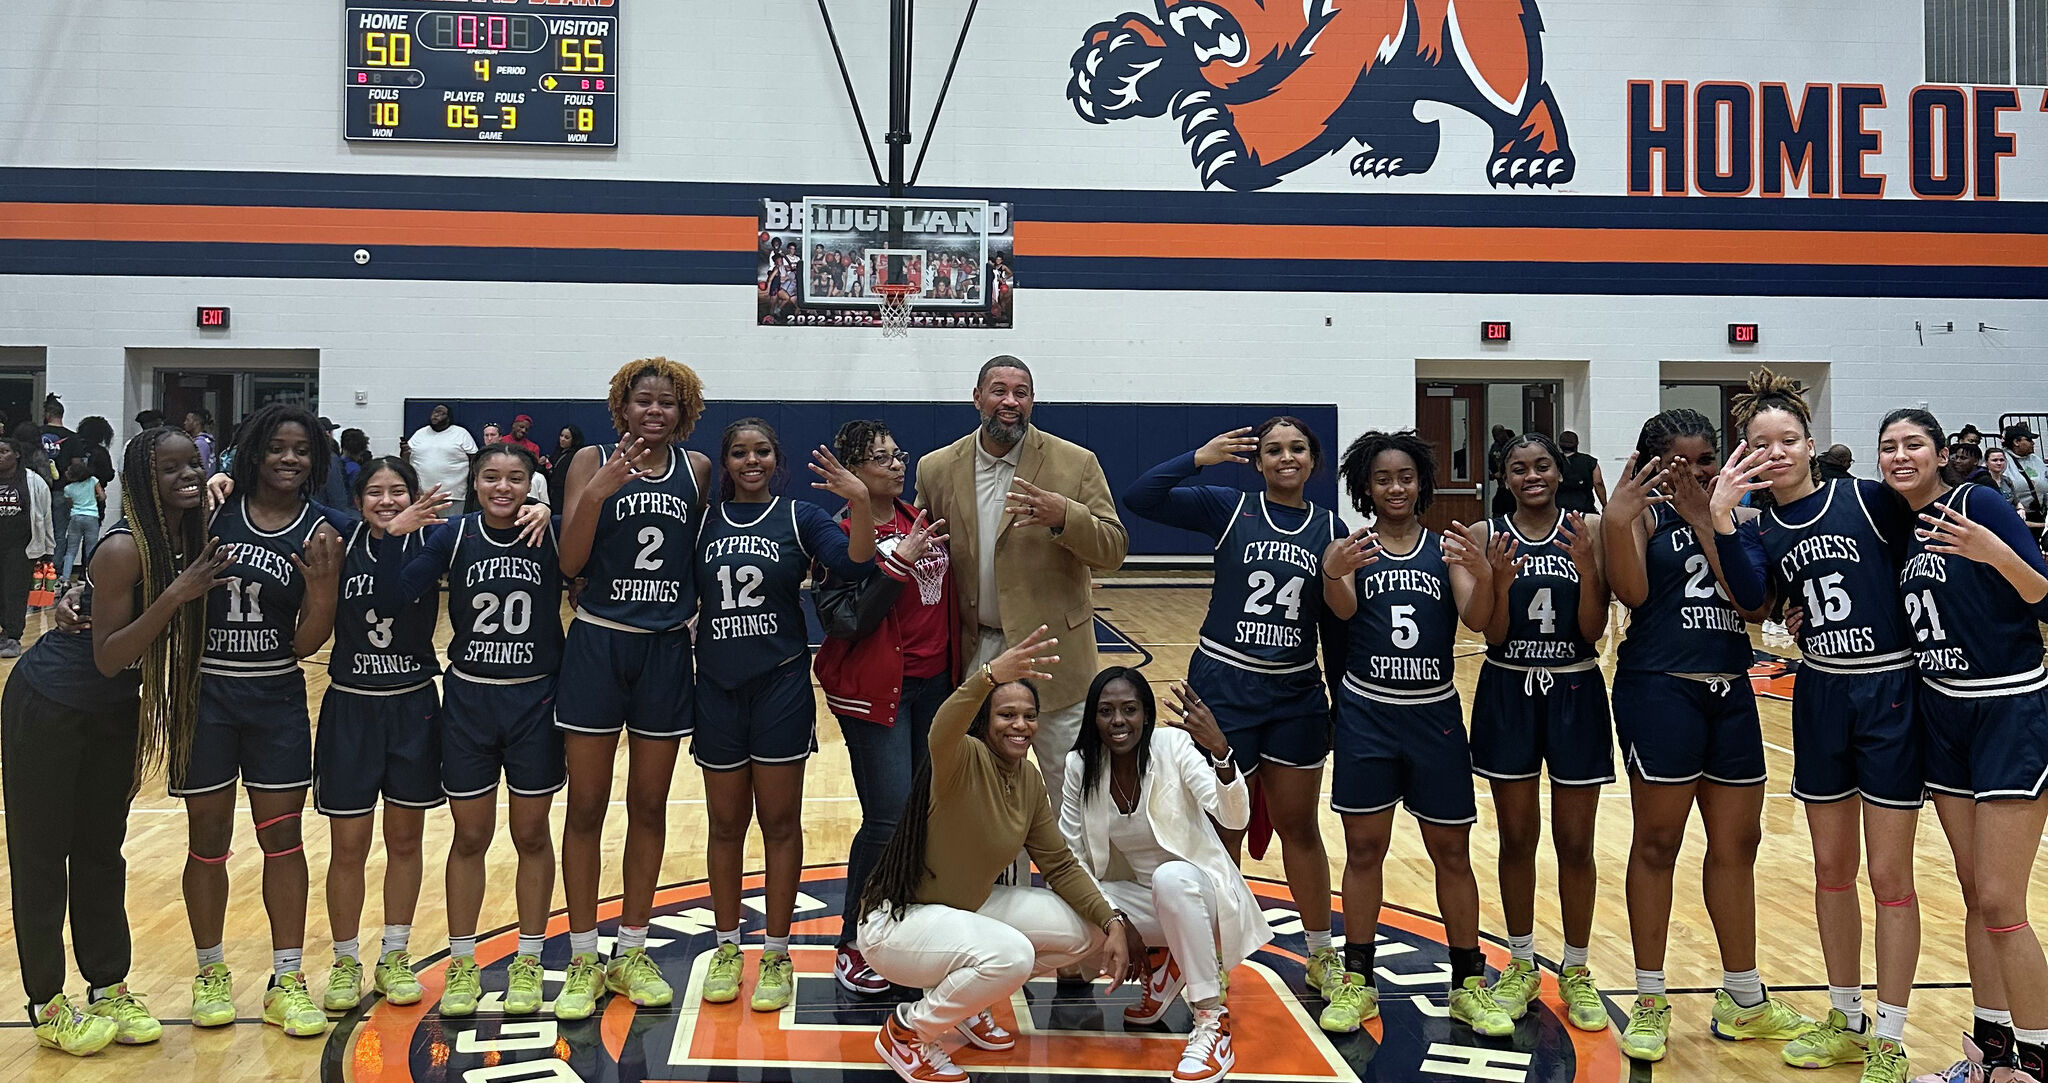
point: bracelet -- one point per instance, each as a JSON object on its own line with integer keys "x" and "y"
{"x": 989, "y": 673}
{"x": 1115, "y": 916}
{"x": 1333, "y": 578}
{"x": 1220, "y": 762}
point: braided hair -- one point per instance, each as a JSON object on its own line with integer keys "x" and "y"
{"x": 170, "y": 664}
{"x": 1658, "y": 433}
{"x": 856, "y": 440}
{"x": 689, "y": 391}
{"x": 901, "y": 867}
{"x": 252, "y": 444}
{"x": 1767, "y": 390}
{"x": 1356, "y": 466}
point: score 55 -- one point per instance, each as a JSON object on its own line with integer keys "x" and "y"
{"x": 581, "y": 56}
{"x": 387, "y": 50}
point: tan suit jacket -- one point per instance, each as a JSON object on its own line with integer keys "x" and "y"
{"x": 1041, "y": 578}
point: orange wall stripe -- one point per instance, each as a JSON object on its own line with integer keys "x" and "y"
{"x": 324, "y": 225}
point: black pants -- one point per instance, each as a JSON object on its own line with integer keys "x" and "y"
{"x": 17, "y": 574}
{"x": 67, "y": 774}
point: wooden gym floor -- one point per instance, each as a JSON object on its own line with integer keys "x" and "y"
{"x": 1160, "y": 617}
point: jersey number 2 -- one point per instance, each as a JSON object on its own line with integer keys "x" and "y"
{"x": 650, "y": 540}
{"x": 1261, "y": 585}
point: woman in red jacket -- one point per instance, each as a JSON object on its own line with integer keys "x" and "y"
{"x": 886, "y": 664}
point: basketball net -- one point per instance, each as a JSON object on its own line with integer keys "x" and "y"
{"x": 895, "y": 310}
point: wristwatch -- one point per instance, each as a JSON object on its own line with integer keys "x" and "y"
{"x": 1222, "y": 761}
{"x": 1115, "y": 916}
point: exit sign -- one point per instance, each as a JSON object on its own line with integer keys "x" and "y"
{"x": 1495, "y": 331}
{"x": 213, "y": 317}
{"x": 1742, "y": 334}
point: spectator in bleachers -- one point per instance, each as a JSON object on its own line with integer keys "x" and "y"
{"x": 1995, "y": 465}
{"x": 2023, "y": 466}
{"x": 1970, "y": 434}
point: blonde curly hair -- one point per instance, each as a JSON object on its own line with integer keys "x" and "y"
{"x": 689, "y": 391}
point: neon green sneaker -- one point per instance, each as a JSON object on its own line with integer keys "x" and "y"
{"x": 1773, "y": 1019}
{"x": 1325, "y": 969}
{"x": 523, "y": 994}
{"x": 1825, "y": 1044}
{"x": 722, "y": 976}
{"x": 1517, "y": 987}
{"x": 1474, "y": 1005}
{"x": 396, "y": 982}
{"x": 465, "y": 986}
{"x": 1649, "y": 1025}
{"x": 1886, "y": 1062}
{"x": 581, "y": 988}
{"x": 635, "y": 975}
{"x": 775, "y": 985}
{"x": 1352, "y": 1002}
{"x": 344, "y": 985}
{"x": 288, "y": 1007}
{"x": 213, "y": 996}
{"x": 1582, "y": 1002}
{"x": 61, "y": 1027}
{"x": 133, "y": 1025}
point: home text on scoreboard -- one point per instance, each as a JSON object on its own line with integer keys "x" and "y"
{"x": 466, "y": 71}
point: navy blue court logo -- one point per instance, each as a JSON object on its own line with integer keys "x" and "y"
{"x": 828, "y": 1034}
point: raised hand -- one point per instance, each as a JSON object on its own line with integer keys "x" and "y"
{"x": 533, "y": 520}
{"x": 835, "y": 477}
{"x": 1578, "y": 541}
{"x": 1026, "y": 659}
{"x": 1952, "y": 533}
{"x": 423, "y": 512}
{"x": 1034, "y": 506}
{"x": 1689, "y": 498}
{"x": 218, "y": 488}
{"x": 922, "y": 535}
{"x": 1464, "y": 549}
{"x": 1347, "y": 554}
{"x": 1634, "y": 491}
{"x": 1738, "y": 478}
{"x": 322, "y": 563}
{"x": 1501, "y": 560}
{"x": 1196, "y": 719}
{"x": 203, "y": 574}
{"x": 628, "y": 463}
{"x": 1229, "y": 447}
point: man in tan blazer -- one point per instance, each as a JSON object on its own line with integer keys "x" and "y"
{"x": 1030, "y": 519}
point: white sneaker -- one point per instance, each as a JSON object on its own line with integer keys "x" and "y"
{"x": 1208, "y": 1056}
{"x": 1776, "y": 634}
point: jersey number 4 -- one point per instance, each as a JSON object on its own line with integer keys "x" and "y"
{"x": 1262, "y": 584}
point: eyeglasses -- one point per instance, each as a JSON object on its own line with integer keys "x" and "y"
{"x": 886, "y": 457}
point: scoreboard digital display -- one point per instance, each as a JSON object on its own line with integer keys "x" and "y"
{"x": 482, "y": 71}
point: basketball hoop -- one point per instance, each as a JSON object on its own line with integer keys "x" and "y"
{"x": 895, "y": 309}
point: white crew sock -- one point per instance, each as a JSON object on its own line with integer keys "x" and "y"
{"x": 2031, "y": 1037}
{"x": 351, "y": 948}
{"x": 1523, "y": 948}
{"x": 1650, "y": 981}
{"x": 1575, "y": 956}
{"x": 1891, "y": 1021}
{"x": 397, "y": 938}
{"x": 1989, "y": 1015}
{"x": 1848, "y": 1000}
{"x": 583, "y": 943}
{"x": 630, "y": 937}
{"x": 285, "y": 960}
{"x": 462, "y": 946}
{"x": 777, "y": 943}
{"x": 1317, "y": 939}
{"x": 215, "y": 954}
{"x": 531, "y": 945}
{"x": 1745, "y": 986}
{"x": 729, "y": 936}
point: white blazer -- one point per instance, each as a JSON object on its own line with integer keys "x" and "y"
{"x": 1181, "y": 794}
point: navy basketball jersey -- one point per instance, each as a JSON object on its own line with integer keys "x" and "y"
{"x": 1407, "y": 621}
{"x": 1543, "y": 603}
{"x": 1969, "y": 624}
{"x": 1686, "y": 624}
{"x": 1268, "y": 594}
{"x": 751, "y": 564}
{"x": 61, "y": 665}
{"x": 638, "y": 573}
{"x": 377, "y": 648}
{"x": 1838, "y": 567}
{"x": 505, "y": 603}
{"x": 250, "y": 620}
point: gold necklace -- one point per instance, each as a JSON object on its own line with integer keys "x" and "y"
{"x": 1126, "y": 805}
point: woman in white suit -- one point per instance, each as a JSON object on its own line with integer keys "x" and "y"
{"x": 1136, "y": 814}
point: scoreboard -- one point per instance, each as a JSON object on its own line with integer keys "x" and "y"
{"x": 482, "y": 71}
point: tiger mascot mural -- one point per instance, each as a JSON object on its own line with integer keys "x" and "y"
{"x": 1263, "y": 87}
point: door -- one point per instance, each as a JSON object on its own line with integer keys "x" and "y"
{"x": 212, "y": 392}
{"x": 1452, "y": 418}
{"x": 17, "y": 400}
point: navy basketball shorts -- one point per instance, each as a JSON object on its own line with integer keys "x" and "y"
{"x": 1519, "y": 727}
{"x": 1277, "y": 718}
{"x": 1679, "y": 730}
{"x": 1858, "y": 734}
{"x": 251, "y": 728}
{"x": 1990, "y": 747}
{"x": 377, "y": 743}
{"x": 635, "y": 681}
{"x": 489, "y": 729}
{"x": 769, "y": 719}
{"x": 1411, "y": 753}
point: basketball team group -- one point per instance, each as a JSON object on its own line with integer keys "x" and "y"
{"x": 960, "y": 663}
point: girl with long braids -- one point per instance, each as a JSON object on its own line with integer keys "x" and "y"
{"x": 1400, "y": 733}
{"x": 756, "y": 712}
{"x": 378, "y": 737}
{"x": 935, "y": 918}
{"x": 84, "y": 718}
{"x": 1689, "y": 731}
{"x": 276, "y": 608}
{"x": 1541, "y": 702}
{"x": 1834, "y": 551}
{"x": 630, "y": 515}
{"x": 498, "y": 705}
{"x": 1256, "y": 663}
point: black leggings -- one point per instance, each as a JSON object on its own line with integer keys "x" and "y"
{"x": 67, "y": 774}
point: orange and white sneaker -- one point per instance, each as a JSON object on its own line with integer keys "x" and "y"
{"x": 982, "y": 1029}
{"x": 1164, "y": 983}
{"x": 914, "y": 1059}
{"x": 1208, "y": 1056}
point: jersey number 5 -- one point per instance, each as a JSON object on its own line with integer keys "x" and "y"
{"x": 1261, "y": 585}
